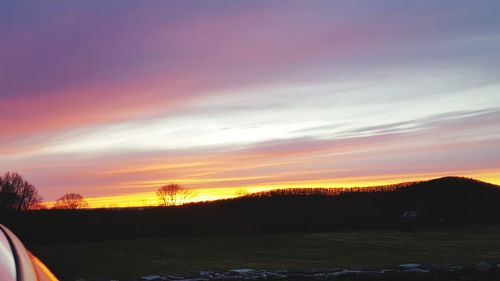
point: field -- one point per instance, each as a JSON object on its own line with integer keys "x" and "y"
{"x": 128, "y": 259}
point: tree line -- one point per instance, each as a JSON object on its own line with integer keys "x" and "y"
{"x": 17, "y": 194}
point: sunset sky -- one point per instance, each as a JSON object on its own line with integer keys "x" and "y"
{"x": 112, "y": 99}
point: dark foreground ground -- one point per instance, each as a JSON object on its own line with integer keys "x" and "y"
{"x": 463, "y": 245}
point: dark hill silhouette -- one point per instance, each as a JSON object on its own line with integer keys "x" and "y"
{"x": 447, "y": 200}
{"x": 444, "y": 183}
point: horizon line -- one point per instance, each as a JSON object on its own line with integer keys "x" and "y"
{"x": 149, "y": 199}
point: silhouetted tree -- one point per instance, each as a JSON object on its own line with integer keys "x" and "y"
{"x": 173, "y": 194}
{"x": 71, "y": 201}
{"x": 17, "y": 193}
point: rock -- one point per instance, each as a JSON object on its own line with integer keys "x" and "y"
{"x": 319, "y": 275}
{"x": 152, "y": 278}
{"x": 243, "y": 270}
{"x": 418, "y": 270}
{"x": 408, "y": 266}
{"x": 342, "y": 272}
{"x": 248, "y": 274}
{"x": 299, "y": 275}
{"x": 206, "y": 273}
{"x": 414, "y": 267}
{"x": 173, "y": 277}
{"x": 227, "y": 277}
{"x": 345, "y": 272}
{"x": 255, "y": 277}
{"x": 230, "y": 273}
{"x": 483, "y": 266}
{"x": 275, "y": 274}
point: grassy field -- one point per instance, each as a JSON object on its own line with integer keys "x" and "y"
{"x": 132, "y": 258}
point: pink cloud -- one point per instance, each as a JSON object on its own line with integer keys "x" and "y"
{"x": 103, "y": 76}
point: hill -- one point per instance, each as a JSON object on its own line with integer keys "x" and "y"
{"x": 448, "y": 200}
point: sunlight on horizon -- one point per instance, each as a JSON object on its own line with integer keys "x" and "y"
{"x": 149, "y": 199}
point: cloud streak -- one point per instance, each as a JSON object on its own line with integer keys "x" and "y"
{"x": 114, "y": 98}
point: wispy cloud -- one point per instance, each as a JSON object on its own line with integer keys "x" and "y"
{"x": 111, "y": 98}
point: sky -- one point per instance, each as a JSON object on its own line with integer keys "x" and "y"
{"x": 112, "y": 99}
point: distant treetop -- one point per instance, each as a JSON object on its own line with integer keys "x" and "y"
{"x": 71, "y": 201}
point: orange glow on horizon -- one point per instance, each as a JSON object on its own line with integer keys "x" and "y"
{"x": 148, "y": 199}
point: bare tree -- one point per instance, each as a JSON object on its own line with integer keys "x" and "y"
{"x": 71, "y": 201}
{"x": 173, "y": 194}
{"x": 17, "y": 193}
